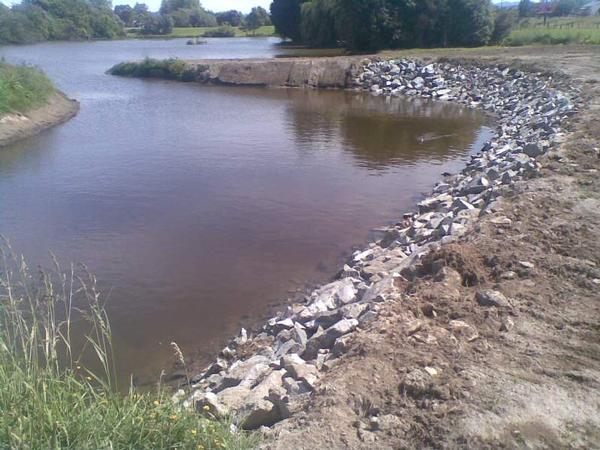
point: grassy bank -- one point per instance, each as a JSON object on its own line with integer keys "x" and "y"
{"x": 169, "y": 69}
{"x": 559, "y": 30}
{"x": 192, "y": 32}
{"x": 50, "y": 400}
{"x": 22, "y": 88}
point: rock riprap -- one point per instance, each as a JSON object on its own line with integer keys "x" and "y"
{"x": 293, "y": 349}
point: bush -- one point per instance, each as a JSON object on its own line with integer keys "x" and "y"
{"x": 50, "y": 400}
{"x": 22, "y": 88}
{"x": 224, "y": 31}
{"x": 169, "y": 69}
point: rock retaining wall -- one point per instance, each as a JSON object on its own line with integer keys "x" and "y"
{"x": 293, "y": 349}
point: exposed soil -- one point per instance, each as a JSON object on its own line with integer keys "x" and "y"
{"x": 14, "y": 127}
{"x": 446, "y": 367}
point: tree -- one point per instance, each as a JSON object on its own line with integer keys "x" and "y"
{"x": 468, "y": 23}
{"x": 140, "y": 14}
{"x": 157, "y": 24}
{"x": 168, "y": 6}
{"x": 202, "y": 18}
{"x": 125, "y": 13}
{"x": 564, "y": 7}
{"x": 40, "y": 20}
{"x": 504, "y": 21}
{"x": 286, "y": 16}
{"x": 232, "y": 17}
{"x": 318, "y": 23}
{"x": 185, "y": 13}
{"x": 257, "y": 18}
{"x": 369, "y": 25}
{"x": 526, "y": 8}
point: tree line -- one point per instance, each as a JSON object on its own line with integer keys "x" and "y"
{"x": 369, "y": 25}
{"x": 186, "y": 13}
{"x": 48, "y": 20}
{"x": 41, "y": 20}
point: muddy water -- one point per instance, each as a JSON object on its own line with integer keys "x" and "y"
{"x": 198, "y": 207}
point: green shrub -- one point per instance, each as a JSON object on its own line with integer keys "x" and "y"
{"x": 50, "y": 400}
{"x": 170, "y": 69}
{"x": 224, "y": 31}
{"x": 22, "y": 88}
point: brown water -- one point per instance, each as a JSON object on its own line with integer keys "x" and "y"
{"x": 198, "y": 207}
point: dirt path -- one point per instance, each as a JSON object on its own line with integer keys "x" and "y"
{"x": 449, "y": 364}
{"x": 14, "y": 127}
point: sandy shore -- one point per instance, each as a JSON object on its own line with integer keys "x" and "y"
{"x": 14, "y": 127}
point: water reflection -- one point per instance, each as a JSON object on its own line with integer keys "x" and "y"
{"x": 383, "y": 132}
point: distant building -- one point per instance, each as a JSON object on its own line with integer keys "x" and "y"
{"x": 590, "y": 9}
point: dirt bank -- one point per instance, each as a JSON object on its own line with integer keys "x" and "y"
{"x": 446, "y": 365}
{"x": 59, "y": 109}
{"x": 334, "y": 72}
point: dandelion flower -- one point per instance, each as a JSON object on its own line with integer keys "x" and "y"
{"x": 194, "y": 432}
{"x": 206, "y": 408}
{"x": 173, "y": 417}
{"x": 156, "y": 403}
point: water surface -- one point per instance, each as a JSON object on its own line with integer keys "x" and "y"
{"x": 198, "y": 207}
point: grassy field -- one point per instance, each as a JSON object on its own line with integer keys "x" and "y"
{"x": 50, "y": 399}
{"x": 557, "y": 30}
{"x": 22, "y": 88}
{"x": 191, "y": 32}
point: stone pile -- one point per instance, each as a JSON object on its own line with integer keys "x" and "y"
{"x": 296, "y": 346}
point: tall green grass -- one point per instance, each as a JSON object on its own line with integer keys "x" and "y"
{"x": 553, "y": 37}
{"x": 559, "y": 30}
{"x": 22, "y": 88}
{"x": 49, "y": 399}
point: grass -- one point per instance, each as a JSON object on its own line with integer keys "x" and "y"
{"x": 22, "y": 88}
{"x": 50, "y": 400}
{"x": 192, "y": 32}
{"x": 558, "y": 30}
{"x": 170, "y": 69}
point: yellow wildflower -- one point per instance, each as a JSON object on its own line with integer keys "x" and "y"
{"x": 194, "y": 432}
{"x": 173, "y": 417}
{"x": 206, "y": 408}
{"x": 156, "y": 403}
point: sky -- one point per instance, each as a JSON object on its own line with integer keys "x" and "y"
{"x": 213, "y": 5}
